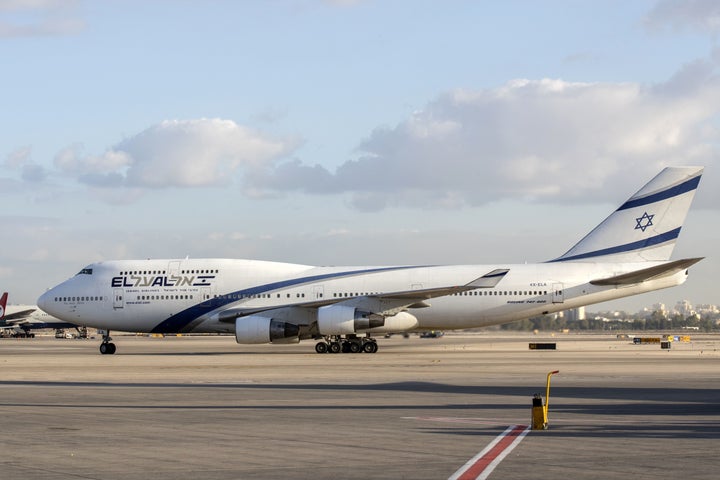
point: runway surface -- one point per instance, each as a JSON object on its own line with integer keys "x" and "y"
{"x": 205, "y": 407}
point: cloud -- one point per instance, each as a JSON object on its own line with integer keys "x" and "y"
{"x": 547, "y": 140}
{"x": 73, "y": 160}
{"x": 18, "y": 157}
{"x": 34, "y": 18}
{"x": 702, "y": 15}
{"x": 176, "y": 153}
{"x": 34, "y": 173}
{"x": 21, "y": 159}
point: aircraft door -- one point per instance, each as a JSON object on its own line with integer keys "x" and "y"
{"x": 318, "y": 291}
{"x": 118, "y": 301}
{"x": 208, "y": 297}
{"x": 558, "y": 295}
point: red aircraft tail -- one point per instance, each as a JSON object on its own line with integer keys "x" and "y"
{"x": 3, "y": 302}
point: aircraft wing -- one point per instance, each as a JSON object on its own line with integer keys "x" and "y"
{"x": 16, "y": 317}
{"x": 385, "y": 303}
{"x": 644, "y": 274}
{"x": 489, "y": 280}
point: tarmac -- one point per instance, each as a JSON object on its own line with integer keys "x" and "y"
{"x": 208, "y": 408}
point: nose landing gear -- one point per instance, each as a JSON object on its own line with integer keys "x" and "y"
{"x": 107, "y": 347}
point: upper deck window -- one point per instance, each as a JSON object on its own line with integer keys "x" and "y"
{"x": 85, "y": 271}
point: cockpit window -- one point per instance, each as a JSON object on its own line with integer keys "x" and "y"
{"x": 85, "y": 271}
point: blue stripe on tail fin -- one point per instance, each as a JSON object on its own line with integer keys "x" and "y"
{"x": 647, "y": 225}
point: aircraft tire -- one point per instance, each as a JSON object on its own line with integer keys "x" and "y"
{"x": 335, "y": 347}
{"x": 321, "y": 347}
{"x": 370, "y": 347}
{"x": 355, "y": 347}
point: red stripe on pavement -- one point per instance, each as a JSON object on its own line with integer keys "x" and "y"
{"x": 503, "y": 444}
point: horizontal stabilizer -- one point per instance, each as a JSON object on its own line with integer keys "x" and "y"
{"x": 639, "y": 276}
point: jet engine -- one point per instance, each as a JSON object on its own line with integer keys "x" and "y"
{"x": 402, "y": 322}
{"x": 344, "y": 320}
{"x": 259, "y": 329}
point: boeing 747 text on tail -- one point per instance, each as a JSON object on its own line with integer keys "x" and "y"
{"x": 343, "y": 307}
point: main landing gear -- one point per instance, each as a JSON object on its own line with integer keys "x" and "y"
{"x": 351, "y": 344}
{"x": 107, "y": 347}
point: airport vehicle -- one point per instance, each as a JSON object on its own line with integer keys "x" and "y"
{"x": 20, "y": 320}
{"x": 343, "y": 307}
{"x": 432, "y": 334}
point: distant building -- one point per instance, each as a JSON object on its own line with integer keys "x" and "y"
{"x": 659, "y": 307}
{"x": 575, "y": 314}
{"x": 707, "y": 309}
{"x": 684, "y": 308}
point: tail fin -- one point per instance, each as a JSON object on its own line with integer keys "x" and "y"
{"x": 646, "y": 227}
{"x": 3, "y": 302}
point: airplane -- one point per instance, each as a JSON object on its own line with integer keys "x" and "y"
{"x": 22, "y": 319}
{"x": 343, "y": 307}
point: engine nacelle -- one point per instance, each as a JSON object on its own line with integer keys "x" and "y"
{"x": 344, "y": 320}
{"x": 258, "y": 329}
{"x": 402, "y": 322}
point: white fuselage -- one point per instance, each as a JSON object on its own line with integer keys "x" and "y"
{"x": 172, "y": 296}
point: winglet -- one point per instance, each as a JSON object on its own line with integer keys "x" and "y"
{"x": 3, "y": 302}
{"x": 489, "y": 280}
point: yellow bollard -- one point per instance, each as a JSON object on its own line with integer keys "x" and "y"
{"x": 540, "y": 411}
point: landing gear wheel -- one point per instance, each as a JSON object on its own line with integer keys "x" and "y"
{"x": 370, "y": 347}
{"x": 354, "y": 347}
{"x": 321, "y": 347}
{"x": 107, "y": 347}
{"x": 335, "y": 347}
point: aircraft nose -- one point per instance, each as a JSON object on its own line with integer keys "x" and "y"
{"x": 44, "y": 303}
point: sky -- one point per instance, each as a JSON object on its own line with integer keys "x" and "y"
{"x": 347, "y": 132}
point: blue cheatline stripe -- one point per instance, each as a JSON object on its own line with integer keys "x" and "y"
{"x": 181, "y": 320}
{"x": 671, "y": 192}
{"x": 628, "y": 247}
